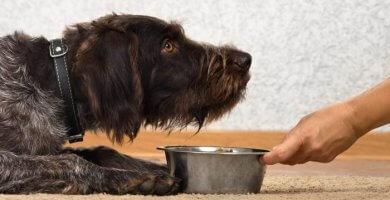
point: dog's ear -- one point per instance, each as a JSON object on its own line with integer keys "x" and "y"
{"x": 106, "y": 64}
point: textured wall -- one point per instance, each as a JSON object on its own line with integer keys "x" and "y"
{"x": 307, "y": 54}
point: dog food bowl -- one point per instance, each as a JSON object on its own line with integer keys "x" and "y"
{"x": 216, "y": 170}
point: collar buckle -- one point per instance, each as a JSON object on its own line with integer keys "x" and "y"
{"x": 57, "y": 50}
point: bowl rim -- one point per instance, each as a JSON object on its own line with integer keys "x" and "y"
{"x": 172, "y": 149}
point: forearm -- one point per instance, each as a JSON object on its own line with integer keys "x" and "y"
{"x": 370, "y": 109}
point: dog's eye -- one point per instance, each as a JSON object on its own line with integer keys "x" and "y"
{"x": 168, "y": 46}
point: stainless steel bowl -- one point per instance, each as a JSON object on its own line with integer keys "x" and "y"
{"x": 216, "y": 170}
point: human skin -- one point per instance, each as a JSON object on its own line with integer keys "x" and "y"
{"x": 324, "y": 134}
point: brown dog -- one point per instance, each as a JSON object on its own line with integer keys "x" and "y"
{"x": 126, "y": 71}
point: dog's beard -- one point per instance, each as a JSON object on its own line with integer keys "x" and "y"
{"x": 225, "y": 85}
{"x": 214, "y": 93}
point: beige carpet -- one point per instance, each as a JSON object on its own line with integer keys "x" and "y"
{"x": 274, "y": 187}
{"x": 362, "y": 172}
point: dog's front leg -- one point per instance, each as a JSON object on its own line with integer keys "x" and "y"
{"x": 107, "y": 157}
{"x": 70, "y": 174}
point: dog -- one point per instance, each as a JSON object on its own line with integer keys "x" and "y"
{"x": 126, "y": 71}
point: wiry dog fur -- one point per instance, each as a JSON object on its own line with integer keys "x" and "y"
{"x": 126, "y": 71}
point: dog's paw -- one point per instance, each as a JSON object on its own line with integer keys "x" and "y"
{"x": 160, "y": 184}
{"x": 133, "y": 182}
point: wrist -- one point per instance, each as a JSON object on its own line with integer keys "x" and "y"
{"x": 354, "y": 118}
{"x": 371, "y": 109}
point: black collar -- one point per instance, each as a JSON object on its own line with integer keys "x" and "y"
{"x": 58, "y": 52}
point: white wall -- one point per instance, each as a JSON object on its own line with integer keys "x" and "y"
{"x": 307, "y": 53}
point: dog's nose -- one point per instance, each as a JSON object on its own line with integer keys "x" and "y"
{"x": 242, "y": 60}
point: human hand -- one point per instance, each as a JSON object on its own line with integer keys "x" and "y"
{"x": 319, "y": 136}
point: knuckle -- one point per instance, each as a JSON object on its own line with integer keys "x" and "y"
{"x": 317, "y": 149}
{"x": 282, "y": 155}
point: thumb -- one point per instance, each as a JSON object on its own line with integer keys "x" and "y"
{"x": 283, "y": 152}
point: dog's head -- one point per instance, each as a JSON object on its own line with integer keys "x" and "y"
{"x": 138, "y": 70}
